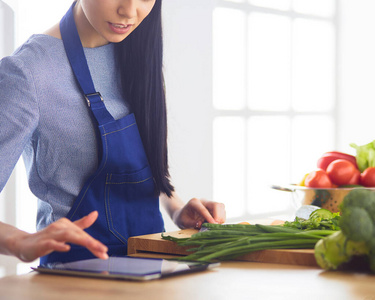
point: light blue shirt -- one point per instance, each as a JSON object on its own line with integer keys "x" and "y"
{"x": 44, "y": 116}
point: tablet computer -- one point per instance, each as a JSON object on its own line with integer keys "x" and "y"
{"x": 126, "y": 268}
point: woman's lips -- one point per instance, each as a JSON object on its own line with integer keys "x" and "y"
{"x": 120, "y": 28}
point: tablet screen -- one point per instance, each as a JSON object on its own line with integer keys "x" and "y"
{"x": 125, "y": 268}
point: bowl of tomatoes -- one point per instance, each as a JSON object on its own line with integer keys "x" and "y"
{"x": 339, "y": 170}
{"x": 337, "y": 174}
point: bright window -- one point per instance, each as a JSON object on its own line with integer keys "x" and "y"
{"x": 274, "y": 99}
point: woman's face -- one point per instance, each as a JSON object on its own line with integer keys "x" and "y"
{"x": 102, "y": 21}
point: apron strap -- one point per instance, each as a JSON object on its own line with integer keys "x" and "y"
{"x": 74, "y": 50}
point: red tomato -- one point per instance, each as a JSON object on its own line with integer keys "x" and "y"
{"x": 343, "y": 172}
{"x": 368, "y": 177}
{"x": 329, "y": 157}
{"x": 355, "y": 179}
{"x": 318, "y": 179}
{"x": 324, "y": 161}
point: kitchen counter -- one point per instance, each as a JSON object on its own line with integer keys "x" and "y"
{"x": 232, "y": 280}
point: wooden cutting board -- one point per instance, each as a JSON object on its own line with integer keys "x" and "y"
{"x": 152, "y": 245}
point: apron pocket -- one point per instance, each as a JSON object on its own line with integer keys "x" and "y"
{"x": 133, "y": 178}
{"x": 131, "y": 205}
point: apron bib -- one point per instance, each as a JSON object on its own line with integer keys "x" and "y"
{"x": 122, "y": 188}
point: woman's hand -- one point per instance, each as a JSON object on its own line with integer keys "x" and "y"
{"x": 197, "y": 211}
{"x": 55, "y": 237}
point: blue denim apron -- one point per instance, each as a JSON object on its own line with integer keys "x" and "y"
{"x": 122, "y": 188}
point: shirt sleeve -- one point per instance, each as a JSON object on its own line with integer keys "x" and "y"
{"x": 19, "y": 114}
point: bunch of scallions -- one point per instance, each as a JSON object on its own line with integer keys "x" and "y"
{"x": 218, "y": 242}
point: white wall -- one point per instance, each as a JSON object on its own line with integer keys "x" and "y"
{"x": 356, "y": 85}
{"x": 6, "y": 29}
{"x": 188, "y": 67}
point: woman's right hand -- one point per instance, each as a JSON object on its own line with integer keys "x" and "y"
{"x": 55, "y": 237}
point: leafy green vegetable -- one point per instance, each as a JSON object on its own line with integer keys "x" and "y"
{"x": 365, "y": 155}
{"x": 357, "y": 235}
{"x": 333, "y": 251}
{"x": 357, "y": 224}
{"x": 319, "y": 219}
{"x": 223, "y": 242}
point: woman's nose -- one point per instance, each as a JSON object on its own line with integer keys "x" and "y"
{"x": 127, "y": 8}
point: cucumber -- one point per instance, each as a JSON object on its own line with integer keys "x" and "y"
{"x": 321, "y": 213}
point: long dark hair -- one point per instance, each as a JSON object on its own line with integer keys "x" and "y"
{"x": 141, "y": 59}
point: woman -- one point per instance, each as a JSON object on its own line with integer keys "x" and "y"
{"x": 85, "y": 104}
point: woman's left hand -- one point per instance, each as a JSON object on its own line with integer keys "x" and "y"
{"x": 198, "y": 211}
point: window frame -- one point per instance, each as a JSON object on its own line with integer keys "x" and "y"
{"x": 246, "y": 113}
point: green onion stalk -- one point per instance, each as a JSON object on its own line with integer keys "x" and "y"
{"x": 218, "y": 242}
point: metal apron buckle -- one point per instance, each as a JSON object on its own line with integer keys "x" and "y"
{"x": 93, "y": 94}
